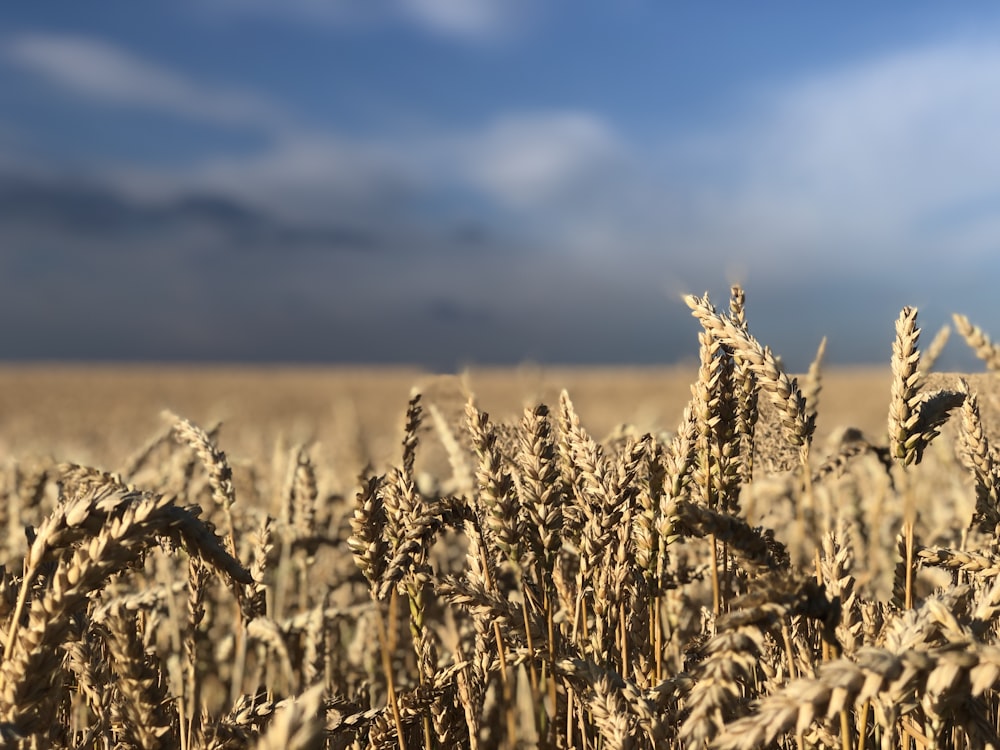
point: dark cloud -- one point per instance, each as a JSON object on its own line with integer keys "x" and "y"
{"x": 86, "y": 273}
{"x": 471, "y": 235}
{"x": 444, "y": 310}
{"x": 89, "y": 211}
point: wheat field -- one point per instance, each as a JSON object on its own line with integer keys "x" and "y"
{"x": 719, "y": 556}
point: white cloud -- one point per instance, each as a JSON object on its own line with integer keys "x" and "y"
{"x": 885, "y": 160}
{"x": 474, "y": 20}
{"x": 314, "y": 176}
{"x": 880, "y": 167}
{"x": 530, "y": 160}
{"x": 465, "y": 18}
{"x": 540, "y": 166}
{"x": 98, "y": 70}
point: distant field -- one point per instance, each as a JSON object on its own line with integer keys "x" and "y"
{"x": 101, "y": 414}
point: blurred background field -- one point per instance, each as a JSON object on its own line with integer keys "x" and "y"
{"x": 100, "y": 415}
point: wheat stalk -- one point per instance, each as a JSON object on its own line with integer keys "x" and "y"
{"x": 979, "y": 341}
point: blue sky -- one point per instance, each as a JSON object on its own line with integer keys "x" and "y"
{"x": 460, "y": 181}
